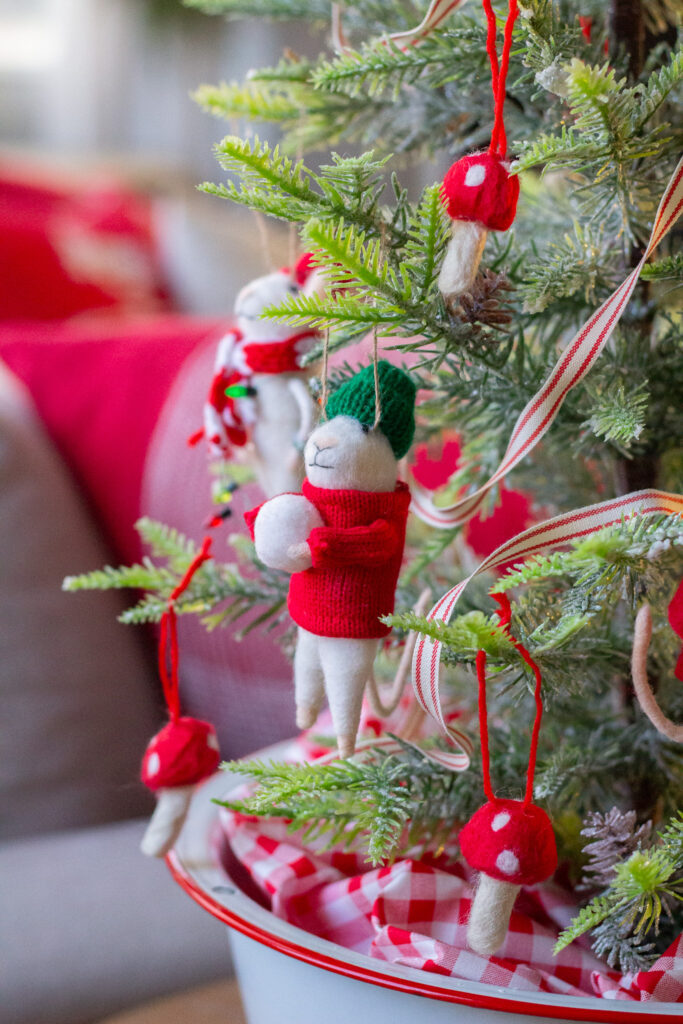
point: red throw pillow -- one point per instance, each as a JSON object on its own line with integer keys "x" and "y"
{"x": 99, "y": 390}
{"x": 64, "y": 251}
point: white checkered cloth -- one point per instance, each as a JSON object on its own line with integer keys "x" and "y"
{"x": 414, "y": 912}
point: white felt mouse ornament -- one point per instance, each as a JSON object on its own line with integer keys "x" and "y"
{"x": 342, "y": 539}
{"x": 258, "y": 396}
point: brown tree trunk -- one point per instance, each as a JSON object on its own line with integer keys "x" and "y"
{"x": 627, "y": 30}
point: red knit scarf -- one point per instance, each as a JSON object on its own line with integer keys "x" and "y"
{"x": 276, "y": 356}
{"x": 270, "y": 357}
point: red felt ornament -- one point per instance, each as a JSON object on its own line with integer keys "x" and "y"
{"x": 510, "y": 842}
{"x": 185, "y": 751}
{"x": 478, "y": 188}
{"x": 478, "y": 191}
{"x": 676, "y": 623}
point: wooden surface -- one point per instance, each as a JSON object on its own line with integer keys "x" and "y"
{"x": 218, "y": 1003}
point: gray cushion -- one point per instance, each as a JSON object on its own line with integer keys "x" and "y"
{"x": 90, "y": 926}
{"x": 78, "y": 693}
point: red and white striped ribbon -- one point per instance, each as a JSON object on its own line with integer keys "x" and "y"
{"x": 552, "y": 533}
{"x": 572, "y": 366}
{"x": 437, "y": 12}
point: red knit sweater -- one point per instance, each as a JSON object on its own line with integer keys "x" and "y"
{"x": 356, "y": 561}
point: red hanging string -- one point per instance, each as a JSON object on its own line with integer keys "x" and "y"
{"x": 504, "y": 616}
{"x": 483, "y": 725}
{"x": 498, "y": 143}
{"x": 168, "y": 635}
{"x": 491, "y": 46}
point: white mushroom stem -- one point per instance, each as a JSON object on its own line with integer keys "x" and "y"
{"x": 490, "y": 914}
{"x": 462, "y": 258}
{"x": 167, "y": 821}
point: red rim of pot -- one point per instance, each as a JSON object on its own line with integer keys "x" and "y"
{"x": 598, "y": 1014}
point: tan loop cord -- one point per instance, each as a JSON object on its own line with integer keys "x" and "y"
{"x": 375, "y": 366}
{"x": 326, "y": 352}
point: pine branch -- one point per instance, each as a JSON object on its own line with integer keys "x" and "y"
{"x": 349, "y": 803}
{"x": 606, "y": 557}
{"x": 667, "y": 269}
{"x": 345, "y": 311}
{"x": 381, "y": 68}
{"x": 363, "y": 261}
{"x": 285, "y": 10}
{"x": 661, "y": 83}
{"x": 583, "y": 262}
{"x": 145, "y": 576}
{"x": 256, "y": 100}
{"x": 214, "y": 584}
{"x": 465, "y": 634}
{"x": 645, "y": 885}
{"x": 618, "y": 415}
{"x": 166, "y": 542}
{"x": 428, "y": 234}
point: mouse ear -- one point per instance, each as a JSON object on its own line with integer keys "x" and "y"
{"x": 310, "y": 277}
{"x": 303, "y": 269}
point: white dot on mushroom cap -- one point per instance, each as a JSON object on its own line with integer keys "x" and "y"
{"x": 475, "y": 174}
{"x": 500, "y": 821}
{"x": 507, "y": 863}
{"x": 212, "y": 741}
{"x": 153, "y": 764}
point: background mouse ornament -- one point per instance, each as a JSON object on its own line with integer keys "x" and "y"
{"x": 342, "y": 539}
{"x": 259, "y": 393}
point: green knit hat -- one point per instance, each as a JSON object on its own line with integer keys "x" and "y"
{"x": 397, "y": 401}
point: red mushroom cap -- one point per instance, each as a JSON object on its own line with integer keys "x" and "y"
{"x": 182, "y": 753}
{"x": 510, "y": 842}
{"x": 479, "y": 188}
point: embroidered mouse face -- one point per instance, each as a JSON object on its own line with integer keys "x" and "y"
{"x": 344, "y": 454}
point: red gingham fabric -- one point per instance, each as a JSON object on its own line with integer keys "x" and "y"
{"x": 415, "y": 913}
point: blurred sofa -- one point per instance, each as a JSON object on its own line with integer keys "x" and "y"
{"x": 95, "y": 409}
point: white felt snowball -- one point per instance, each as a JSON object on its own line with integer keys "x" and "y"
{"x": 281, "y": 530}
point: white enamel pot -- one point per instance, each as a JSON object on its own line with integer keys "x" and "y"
{"x": 288, "y": 976}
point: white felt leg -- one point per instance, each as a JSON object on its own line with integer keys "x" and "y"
{"x": 347, "y": 665}
{"x": 308, "y": 679}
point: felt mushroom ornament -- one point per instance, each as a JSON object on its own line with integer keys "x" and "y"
{"x": 480, "y": 195}
{"x": 185, "y": 751}
{"x": 510, "y": 842}
{"x": 478, "y": 191}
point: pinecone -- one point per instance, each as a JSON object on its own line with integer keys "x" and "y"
{"x": 483, "y": 305}
{"x": 615, "y": 837}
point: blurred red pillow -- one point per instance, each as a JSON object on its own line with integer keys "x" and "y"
{"x": 99, "y": 389}
{"x": 66, "y": 250}
{"x": 435, "y": 463}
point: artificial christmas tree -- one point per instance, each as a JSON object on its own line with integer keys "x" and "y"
{"x": 560, "y": 366}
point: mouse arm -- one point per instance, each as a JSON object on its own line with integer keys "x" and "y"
{"x": 333, "y": 548}
{"x": 302, "y": 397}
{"x": 225, "y": 352}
